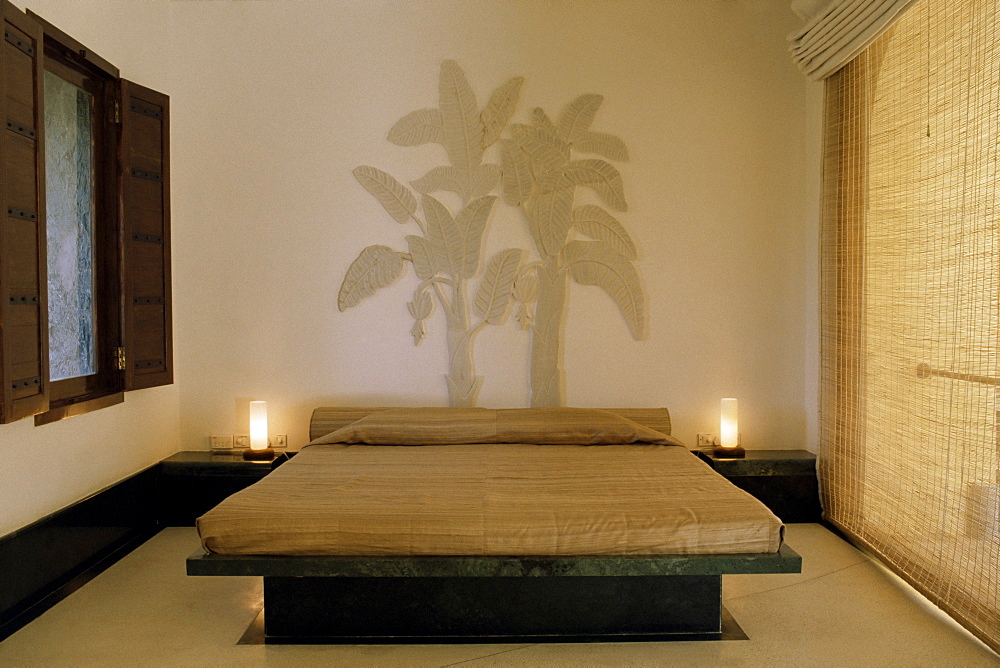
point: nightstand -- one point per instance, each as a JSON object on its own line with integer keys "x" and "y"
{"x": 193, "y": 482}
{"x": 784, "y": 480}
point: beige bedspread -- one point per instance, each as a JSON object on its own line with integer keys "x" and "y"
{"x": 491, "y": 499}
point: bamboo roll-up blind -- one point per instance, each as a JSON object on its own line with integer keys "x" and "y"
{"x": 910, "y": 452}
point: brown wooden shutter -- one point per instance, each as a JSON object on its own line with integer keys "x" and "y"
{"x": 145, "y": 201}
{"x": 24, "y": 336}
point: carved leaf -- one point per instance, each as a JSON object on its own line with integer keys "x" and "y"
{"x": 546, "y": 150}
{"x": 578, "y": 116}
{"x": 526, "y": 287}
{"x": 393, "y": 195}
{"x": 471, "y": 221}
{"x": 418, "y": 127}
{"x": 598, "y": 224}
{"x": 610, "y": 146}
{"x": 596, "y": 263}
{"x": 494, "y": 295}
{"x": 445, "y": 177}
{"x": 423, "y": 259}
{"x": 483, "y": 180}
{"x": 499, "y": 109}
{"x": 463, "y": 132}
{"x": 517, "y": 181}
{"x": 602, "y": 177}
{"x": 375, "y": 268}
{"x": 541, "y": 120}
{"x": 444, "y": 238}
{"x": 551, "y": 213}
{"x": 421, "y": 306}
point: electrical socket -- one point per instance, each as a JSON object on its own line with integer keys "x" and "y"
{"x": 706, "y": 440}
{"x": 221, "y": 442}
{"x": 277, "y": 441}
{"x": 241, "y": 440}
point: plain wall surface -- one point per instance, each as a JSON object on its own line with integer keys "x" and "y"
{"x": 274, "y": 104}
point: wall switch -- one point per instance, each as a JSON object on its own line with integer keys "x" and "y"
{"x": 241, "y": 440}
{"x": 706, "y": 440}
{"x": 278, "y": 441}
{"x": 221, "y": 442}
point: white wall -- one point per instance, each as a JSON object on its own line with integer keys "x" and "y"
{"x": 812, "y": 167}
{"x": 43, "y": 469}
{"x": 274, "y": 103}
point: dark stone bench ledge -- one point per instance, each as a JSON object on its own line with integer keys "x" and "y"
{"x": 786, "y": 560}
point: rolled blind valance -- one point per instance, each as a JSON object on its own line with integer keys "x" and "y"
{"x": 837, "y": 30}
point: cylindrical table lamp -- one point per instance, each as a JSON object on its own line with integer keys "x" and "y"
{"x": 729, "y": 432}
{"x": 259, "y": 450}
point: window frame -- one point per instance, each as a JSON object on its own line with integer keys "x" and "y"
{"x": 68, "y": 59}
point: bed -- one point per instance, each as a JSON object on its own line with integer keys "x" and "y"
{"x": 448, "y": 524}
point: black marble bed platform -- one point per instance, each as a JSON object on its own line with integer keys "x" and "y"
{"x": 506, "y": 599}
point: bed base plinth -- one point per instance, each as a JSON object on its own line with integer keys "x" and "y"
{"x": 494, "y": 599}
{"x": 372, "y": 610}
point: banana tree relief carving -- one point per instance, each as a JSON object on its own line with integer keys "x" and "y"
{"x": 446, "y": 254}
{"x": 541, "y": 176}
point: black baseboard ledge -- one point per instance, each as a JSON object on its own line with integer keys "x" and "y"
{"x": 45, "y": 562}
{"x": 19, "y": 616}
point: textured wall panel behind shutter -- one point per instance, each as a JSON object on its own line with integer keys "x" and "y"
{"x": 145, "y": 197}
{"x": 23, "y": 304}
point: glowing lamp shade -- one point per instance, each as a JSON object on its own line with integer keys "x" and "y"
{"x": 258, "y": 425}
{"x": 728, "y": 426}
{"x": 258, "y": 433}
{"x": 729, "y": 431}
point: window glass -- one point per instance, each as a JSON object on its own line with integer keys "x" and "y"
{"x": 69, "y": 192}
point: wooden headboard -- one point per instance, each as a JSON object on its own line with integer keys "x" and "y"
{"x": 331, "y": 418}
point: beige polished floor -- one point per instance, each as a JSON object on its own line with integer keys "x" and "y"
{"x": 842, "y": 610}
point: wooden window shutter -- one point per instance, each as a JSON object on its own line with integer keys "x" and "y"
{"x": 145, "y": 201}
{"x": 24, "y": 336}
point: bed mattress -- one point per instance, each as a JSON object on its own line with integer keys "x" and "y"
{"x": 503, "y": 499}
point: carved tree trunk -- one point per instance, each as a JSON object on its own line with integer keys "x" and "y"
{"x": 463, "y": 383}
{"x": 547, "y": 375}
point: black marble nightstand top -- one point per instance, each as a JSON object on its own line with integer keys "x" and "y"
{"x": 764, "y": 463}
{"x": 214, "y": 462}
{"x": 784, "y": 480}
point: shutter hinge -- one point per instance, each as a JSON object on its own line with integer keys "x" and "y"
{"x": 121, "y": 358}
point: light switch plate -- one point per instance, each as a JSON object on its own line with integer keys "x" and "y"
{"x": 241, "y": 440}
{"x": 221, "y": 442}
{"x": 706, "y": 440}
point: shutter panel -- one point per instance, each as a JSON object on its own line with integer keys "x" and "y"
{"x": 24, "y": 336}
{"x": 145, "y": 201}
